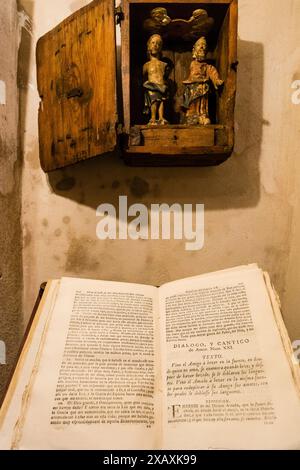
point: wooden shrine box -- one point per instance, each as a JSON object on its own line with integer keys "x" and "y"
{"x": 80, "y": 114}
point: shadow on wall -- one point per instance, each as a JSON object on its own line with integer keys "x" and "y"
{"x": 26, "y": 14}
{"x": 13, "y": 33}
{"x": 234, "y": 184}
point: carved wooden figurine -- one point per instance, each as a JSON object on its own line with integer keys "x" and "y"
{"x": 197, "y": 86}
{"x": 156, "y": 90}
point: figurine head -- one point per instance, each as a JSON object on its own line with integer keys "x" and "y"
{"x": 197, "y": 14}
{"x": 154, "y": 45}
{"x": 200, "y": 49}
{"x": 160, "y": 15}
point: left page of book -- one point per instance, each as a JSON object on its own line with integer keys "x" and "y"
{"x": 11, "y": 409}
{"x": 98, "y": 379}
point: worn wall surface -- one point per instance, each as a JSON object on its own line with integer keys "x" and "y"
{"x": 291, "y": 300}
{"x": 249, "y": 200}
{"x": 10, "y": 193}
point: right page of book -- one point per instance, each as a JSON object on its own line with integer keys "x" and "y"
{"x": 228, "y": 383}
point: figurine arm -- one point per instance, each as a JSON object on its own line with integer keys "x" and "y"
{"x": 168, "y": 70}
{"x": 145, "y": 70}
{"x": 189, "y": 79}
{"x": 214, "y": 76}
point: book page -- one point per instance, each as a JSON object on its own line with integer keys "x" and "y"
{"x": 15, "y": 399}
{"x": 98, "y": 381}
{"x": 275, "y": 301}
{"x": 228, "y": 382}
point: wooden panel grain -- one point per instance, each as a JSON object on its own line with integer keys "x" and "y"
{"x": 233, "y": 63}
{"x": 227, "y": 65}
{"x": 178, "y": 138}
{"x": 182, "y": 70}
{"x": 76, "y": 72}
{"x": 171, "y": 150}
{"x": 125, "y": 61}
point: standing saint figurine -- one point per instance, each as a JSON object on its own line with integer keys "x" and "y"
{"x": 156, "y": 90}
{"x": 197, "y": 86}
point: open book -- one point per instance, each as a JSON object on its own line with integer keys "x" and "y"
{"x": 200, "y": 363}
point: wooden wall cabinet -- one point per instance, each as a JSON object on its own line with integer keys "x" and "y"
{"x": 80, "y": 114}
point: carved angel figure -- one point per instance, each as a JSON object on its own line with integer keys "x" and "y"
{"x": 199, "y": 24}
{"x": 158, "y": 18}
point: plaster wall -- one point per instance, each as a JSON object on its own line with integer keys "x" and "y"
{"x": 10, "y": 194}
{"x": 250, "y": 201}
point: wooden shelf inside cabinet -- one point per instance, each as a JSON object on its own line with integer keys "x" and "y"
{"x": 179, "y": 144}
{"x": 76, "y": 67}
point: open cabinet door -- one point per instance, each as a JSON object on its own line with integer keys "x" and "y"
{"x": 76, "y": 71}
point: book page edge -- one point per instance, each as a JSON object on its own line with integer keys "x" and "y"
{"x": 22, "y": 358}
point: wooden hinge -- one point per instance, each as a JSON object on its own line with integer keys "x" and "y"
{"x": 135, "y": 137}
{"x": 119, "y": 14}
{"x": 234, "y": 65}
